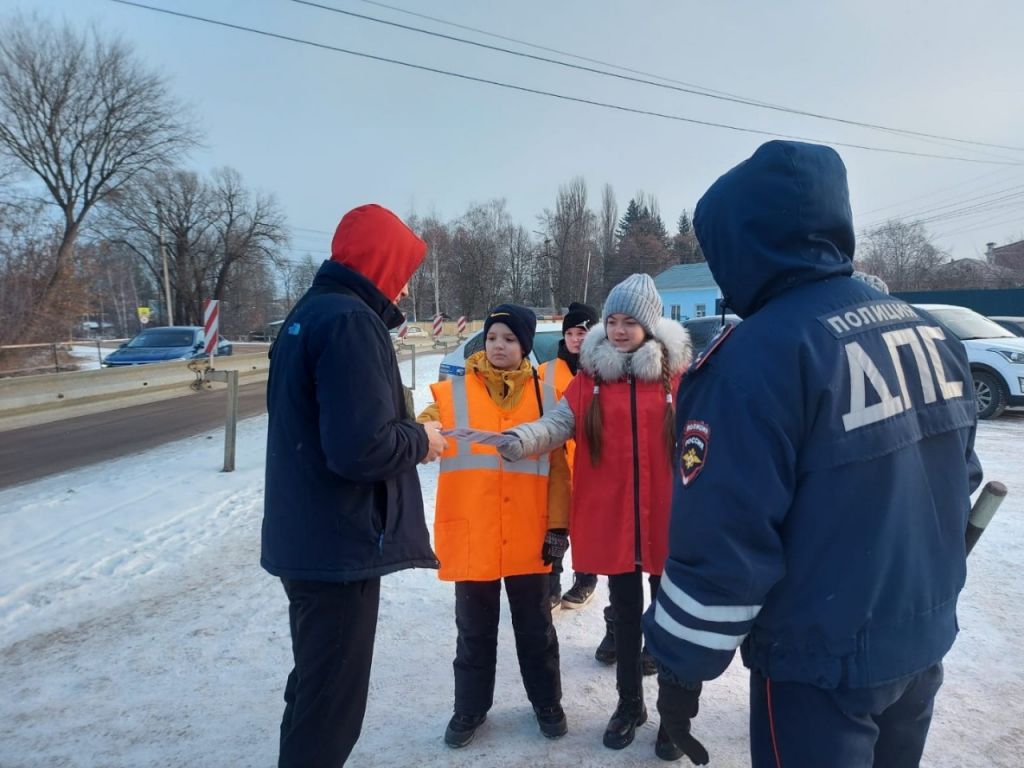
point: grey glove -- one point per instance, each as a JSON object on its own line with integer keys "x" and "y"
{"x": 513, "y": 449}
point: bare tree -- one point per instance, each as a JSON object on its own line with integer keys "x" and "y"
{"x": 607, "y": 223}
{"x": 249, "y": 227}
{"x": 572, "y": 230}
{"x": 82, "y": 115}
{"x": 210, "y": 229}
{"x": 479, "y": 274}
{"x": 901, "y": 253}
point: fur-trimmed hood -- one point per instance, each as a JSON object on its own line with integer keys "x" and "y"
{"x": 600, "y": 359}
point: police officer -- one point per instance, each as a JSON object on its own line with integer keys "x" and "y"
{"x": 824, "y": 467}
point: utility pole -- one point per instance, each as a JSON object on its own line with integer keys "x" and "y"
{"x": 550, "y": 270}
{"x": 437, "y": 286}
{"x": 551, "y": 275}
{"x": 586, "y": 279}
{"x": 163, "y": 258}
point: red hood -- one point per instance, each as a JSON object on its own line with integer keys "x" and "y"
{"x": 375, "y": 243}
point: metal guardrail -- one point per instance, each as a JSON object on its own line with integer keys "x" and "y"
{"x": 29, "y": 400}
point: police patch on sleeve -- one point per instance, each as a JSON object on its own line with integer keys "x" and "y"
{"x": 693, "y": 454}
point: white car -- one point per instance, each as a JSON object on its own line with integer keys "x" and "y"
{"x": 996, "y": 357}
{"x": 545, "y": 347}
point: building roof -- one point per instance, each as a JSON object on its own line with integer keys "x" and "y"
{"x": 685, "y": 276}
{"x": 1010, "y": 256}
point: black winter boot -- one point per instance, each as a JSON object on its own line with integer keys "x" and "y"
{"x": 461, "y": 729}
{"x": 605, "y": 652}
{"x": 629, "y": 715}
{"x": 665, "y": 748}
{"x": 552, "y": 721}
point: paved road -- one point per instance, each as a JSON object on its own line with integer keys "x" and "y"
{"x": 34, "y": 452}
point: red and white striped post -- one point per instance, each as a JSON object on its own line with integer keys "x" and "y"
{"x": 211, "y": 326}
{"x": 403, "y": 330}
{"x": 461, "y": 325}
{"x": 438, "y": 325}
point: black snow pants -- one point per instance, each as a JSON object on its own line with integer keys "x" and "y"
{"x": 333, "y": 627}
{"x": 477, "y": 609}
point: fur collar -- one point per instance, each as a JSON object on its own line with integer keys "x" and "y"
{"x": 601, "y": 360}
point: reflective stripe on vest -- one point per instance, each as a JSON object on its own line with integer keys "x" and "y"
{"x": 550, "y": 390}
{"x": 465, "y": 459}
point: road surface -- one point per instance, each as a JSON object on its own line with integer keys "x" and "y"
{"x": 33, "y": 452}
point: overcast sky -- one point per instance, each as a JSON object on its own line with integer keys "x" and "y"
{"x": 325, "y": 131}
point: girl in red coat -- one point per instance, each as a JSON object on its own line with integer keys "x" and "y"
{"x": 619, "y": 410}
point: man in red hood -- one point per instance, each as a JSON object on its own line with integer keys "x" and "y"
{"x": 342, "y": 503}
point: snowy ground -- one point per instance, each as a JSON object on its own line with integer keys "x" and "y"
{"x": 88, "y": 356}
{"x": 137, "y": 629}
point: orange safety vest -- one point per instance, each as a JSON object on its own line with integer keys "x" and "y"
{"x": 491, "y": 514}
{"x": 557, "y": 377}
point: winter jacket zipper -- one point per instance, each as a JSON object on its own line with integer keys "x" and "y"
{"x": 636, "y": 471}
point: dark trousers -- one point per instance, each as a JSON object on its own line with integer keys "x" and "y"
{"x": 627, "y": 602}
{"x": 556, "y": 576}
{"x": 477, "y": 609}
{"x": 333, "y": 628}
{"x": 796, "y": 724}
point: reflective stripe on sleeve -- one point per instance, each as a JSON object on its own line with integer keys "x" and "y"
{"x": 716, "y": 641}
{"x": 719, "y": 613}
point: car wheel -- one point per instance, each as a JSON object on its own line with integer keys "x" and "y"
{"x": 989, "y": 395}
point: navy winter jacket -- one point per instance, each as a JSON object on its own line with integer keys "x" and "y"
{"x": 343, "y": 498}
{"x": 825, "y": 456}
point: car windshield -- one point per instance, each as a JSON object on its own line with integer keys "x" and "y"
{"x": 163, "y": 337}
{"x": 545, "y": 345}
{"x": 701, "y": 332}
{"x": 967, "y": 324}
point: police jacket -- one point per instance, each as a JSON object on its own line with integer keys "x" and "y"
{"x": 824, "y": 455}
{"x": 343, "y": 499}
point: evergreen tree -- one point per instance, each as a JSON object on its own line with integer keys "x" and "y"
{"x": 685, "y": 247}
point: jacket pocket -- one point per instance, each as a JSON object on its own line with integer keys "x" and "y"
{"x": 451, "y": 543}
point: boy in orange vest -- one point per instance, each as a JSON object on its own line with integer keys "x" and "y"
{"x": 499, "y": 520}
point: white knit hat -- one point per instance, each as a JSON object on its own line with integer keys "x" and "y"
{"x": 637, "y": 297}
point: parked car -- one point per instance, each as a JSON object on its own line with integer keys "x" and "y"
{"x": 1014, "y": 325}
{"x": 545, "y": 347}
{"x": 996, "y": 357}
{"x": 158, "y": 345}
{"x": 703, "y": 329}
{"x": 413, "y": 330}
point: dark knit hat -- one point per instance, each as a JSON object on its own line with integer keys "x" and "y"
{"x": 520, "y": 320}
{"x": 579, "y": 316}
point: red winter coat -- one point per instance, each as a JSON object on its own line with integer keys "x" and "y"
{"x": 620, "y": 508}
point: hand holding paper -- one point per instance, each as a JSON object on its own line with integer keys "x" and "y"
{"x": 493, "y": 439}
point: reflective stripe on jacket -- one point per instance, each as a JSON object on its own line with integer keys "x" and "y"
{"x": 491, "y": 514}
{"x": 557, "y": 377}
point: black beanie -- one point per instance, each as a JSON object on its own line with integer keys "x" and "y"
{"x": 579, "y": 316}
{"x": 520, "y": 320}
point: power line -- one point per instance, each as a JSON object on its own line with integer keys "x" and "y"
{"x": 981, "y": 203}
{"x": 968, "y": 183}
{"x": 682, "y": 87}
{"x": 986, "y": 224}
{"x": 552, "y": 94}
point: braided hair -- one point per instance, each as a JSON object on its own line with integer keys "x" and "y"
{"x": 669, "y": 423}
{"x": 592, "y": 425}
